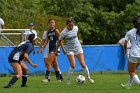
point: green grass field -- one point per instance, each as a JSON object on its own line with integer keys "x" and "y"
{"x": 104, "y": 83}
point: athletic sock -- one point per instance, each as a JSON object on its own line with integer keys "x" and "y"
{"x": 70, "y": 72}
{"x": 130, "y": 81}
{"x": 47, "y": 74}
{"x": 12, "y": 81}
{"x": 136, "y": 79}
{"x": 57, "y": 73}
{"x": 86, "y": 71}
{"x": 24, "y": 79}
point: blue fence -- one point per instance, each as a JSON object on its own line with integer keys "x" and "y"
{"x": 97, "y": 58}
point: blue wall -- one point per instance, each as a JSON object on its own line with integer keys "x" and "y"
{"x": 97, "y": 58}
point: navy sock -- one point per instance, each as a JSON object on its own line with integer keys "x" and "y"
{"x": 47, "y": 74}
{"x": 12, "y": 81}
{"x": 61, "y": 76}
{"x": 57, "y": 73}
{"x": 24, "y": 79}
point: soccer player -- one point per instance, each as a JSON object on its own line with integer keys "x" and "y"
{"x": 73, "y": 48}
{"x": 134, "y": 54}
{"x": 15, "y": 58}
{"x": 31, "y": 30}
{"x": 49, "y": 43}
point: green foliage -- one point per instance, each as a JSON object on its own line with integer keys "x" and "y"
{"x": 99, "y": 21}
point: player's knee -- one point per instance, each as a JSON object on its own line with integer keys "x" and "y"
{"x": 19, "y": 75}
{"x": 25, "y": 71}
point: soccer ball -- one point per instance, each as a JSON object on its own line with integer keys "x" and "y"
{"x": 80, "y": 79}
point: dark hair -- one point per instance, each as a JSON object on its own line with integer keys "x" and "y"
{"x": 31, "y": 37}
{"x": 136, "y": 23}
{"x": 71, "y": 19}
{"x": 50, "y": 20}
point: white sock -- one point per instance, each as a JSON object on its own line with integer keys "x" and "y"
{"x": 86, "y": 71}
{"x": 130, "y": 81}
{"x": 59, "y": 71}
{"x": 70, "y": 72}
{"x": 136, "y": 79}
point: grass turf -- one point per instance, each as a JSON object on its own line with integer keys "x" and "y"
{"x": 104, "y": 83}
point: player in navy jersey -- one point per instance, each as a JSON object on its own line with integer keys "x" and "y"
{"x": 15, "y": 58}
{"x": 49, "y": 53}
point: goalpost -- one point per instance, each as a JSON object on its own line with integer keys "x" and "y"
{"x": 12, "y": 36}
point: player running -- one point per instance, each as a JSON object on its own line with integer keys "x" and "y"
{"x": 73, "y": 48}
{"x": 134, "y": 53}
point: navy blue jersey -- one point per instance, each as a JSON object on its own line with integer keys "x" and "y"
{"x": 17, "y": 54}
{"x": 52, "y": 37}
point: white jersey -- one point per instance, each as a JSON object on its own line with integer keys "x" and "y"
{"x": 72, "y": 42}
{"x": 1, "y": 23}
{"x": 28, "y": 32}
{"x": 135, "y": 43}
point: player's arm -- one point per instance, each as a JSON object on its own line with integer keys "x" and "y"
{"x": 45, "y": 42}
{"x": 26, "y": 58}
{"x": 125, "y": 46}
{"x": 61, "y": 44}
{"x": 40, "y": 47}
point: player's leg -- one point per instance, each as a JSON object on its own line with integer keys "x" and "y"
{"x": 71, "y": 59}
{"x": 48, "y": 61}
{"x": 47, "y": 73}
{"x": 24, "y": 74}
{"x": 132, "y": 72}
{"x": 57, "y": 70}
{"x": 80, "y": 58}
{"x": 132, "y": 64}
{"x": 18, "y": 73}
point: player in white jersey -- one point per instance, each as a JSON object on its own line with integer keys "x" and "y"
{"x": 73, "y": 48}
{"x": 134, "y": 54}
{"x": 31, "y": 30}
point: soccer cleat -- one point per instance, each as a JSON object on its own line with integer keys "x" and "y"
{"x": 67, "y": 82}
{"x": 91, "y": 81}
{"x": 24, "y": 86}
{"x": 45, "y": 80}
{"x": 8, "y": 86}
{"x": 59, "y": 81}
{"x": 126, "y": 86}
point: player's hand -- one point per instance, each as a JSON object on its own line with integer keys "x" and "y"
{"x": 64, "y": 51}
{"x": 56, "y": 53}
{"x": 39, "y": 51}
{"x": 34, "y": 65}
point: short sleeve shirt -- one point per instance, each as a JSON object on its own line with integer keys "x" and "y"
{"x": 135, "y": 42}
{"x": 72, "y": 42}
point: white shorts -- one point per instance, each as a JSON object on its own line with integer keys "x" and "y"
{"x": 74, "y": 52}
{"x": 134, "y": 60}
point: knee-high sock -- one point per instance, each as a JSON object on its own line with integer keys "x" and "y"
{"x": 12, "y": 81}
{"x": 47, "y": 74}
{"x": 70, "y": 72}
{"x": 24, "y": 79}
{"x": 57, "y": 73}
{"x": 136, "y": 79}
{"x": 86, "y": 71}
